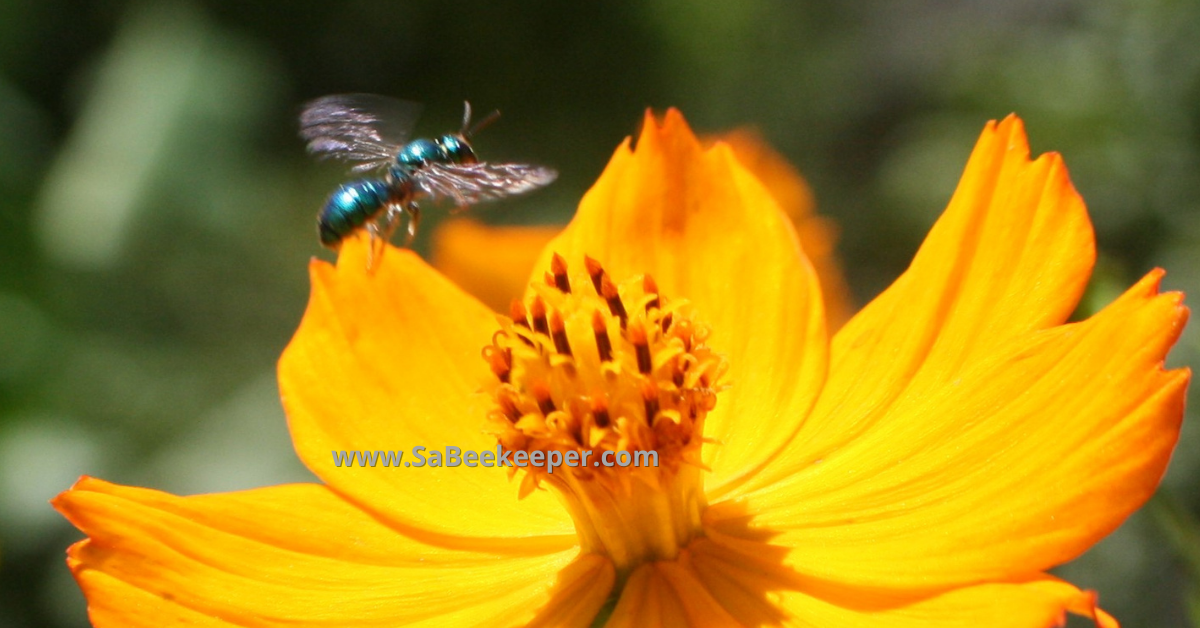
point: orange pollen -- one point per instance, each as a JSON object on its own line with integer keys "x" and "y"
{"x": 558, "y": 331}
{"x": 537, "y": 310}
{"x": 650, "y": 287}
{"x": 600, "y": 411}
{"x": 613, "y": 368}
{"x": 558, "y": 271}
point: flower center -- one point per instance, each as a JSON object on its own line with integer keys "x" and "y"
{"x": 612, "y": 381}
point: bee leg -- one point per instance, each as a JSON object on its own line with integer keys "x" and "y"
{"x": 374, "y": 248}
{"x": 414, "y": 220}
{"x": 381, "y": 232}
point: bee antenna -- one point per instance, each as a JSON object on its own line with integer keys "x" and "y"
{"x": 482, "y": 124}
{"x": 466, "y": 119}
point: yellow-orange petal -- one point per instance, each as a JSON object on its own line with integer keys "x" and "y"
{"x": 581, "y": 590}
{"x": 1037, "y": 603}
{"x": 286, "y": 556}
{"x": 818, "y": 234}
{"x": 754, "y": 590}
{"x": 492, "y": 263}
{"x": 709, "y": 232}
{"x": 745, "y": 580}
{"x": 391, "y": 361}
{"x": 1029, "y": 457}
{"x": 701, "y": 608}
{"x": 649, "y": 601}
{"x": 1011, "y": 254}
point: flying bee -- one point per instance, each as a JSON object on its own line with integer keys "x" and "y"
{"x": 372, "y": 132}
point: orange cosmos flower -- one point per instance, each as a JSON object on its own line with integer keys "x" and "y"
{"x": 922, "y": 469}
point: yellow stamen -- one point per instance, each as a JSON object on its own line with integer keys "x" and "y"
{"x": 617, "y": 368}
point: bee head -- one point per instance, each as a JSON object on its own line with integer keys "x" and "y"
{"x": 457, "y": 148}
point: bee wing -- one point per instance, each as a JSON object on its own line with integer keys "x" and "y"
{"x": 361, "y": 128}
{"x": 467, "y": 184}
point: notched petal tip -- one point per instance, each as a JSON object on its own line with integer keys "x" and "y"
{"x": 1146, "y": 290}
{"x": 1087, "y": 604}
{"x": 673, "y": 120}
{"x": 661, "y": 133}
{"x": 64, "y": 501}
{"x": 1011, "y": 127}
{"x": 287, "y": 555}
{"x": 84, "y": 483}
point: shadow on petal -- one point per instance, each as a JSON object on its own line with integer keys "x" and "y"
{"x": 742, "y": 568}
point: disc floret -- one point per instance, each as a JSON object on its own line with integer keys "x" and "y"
{"x": 586, "y": 365}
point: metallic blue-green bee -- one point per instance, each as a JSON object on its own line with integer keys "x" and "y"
{"x": 371, "y": 131}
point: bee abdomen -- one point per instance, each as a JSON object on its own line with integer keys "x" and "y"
{"x": 350, "y": 207}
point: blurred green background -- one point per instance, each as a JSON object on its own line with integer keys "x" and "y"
{"x": 157, "y": 209}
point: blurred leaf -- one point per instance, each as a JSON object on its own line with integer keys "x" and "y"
{"x": 169, "y": 103}
{"x": 139, "y": 92}
{"x": 1181, "y": 527}
{"x": 1182, "y": 530}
